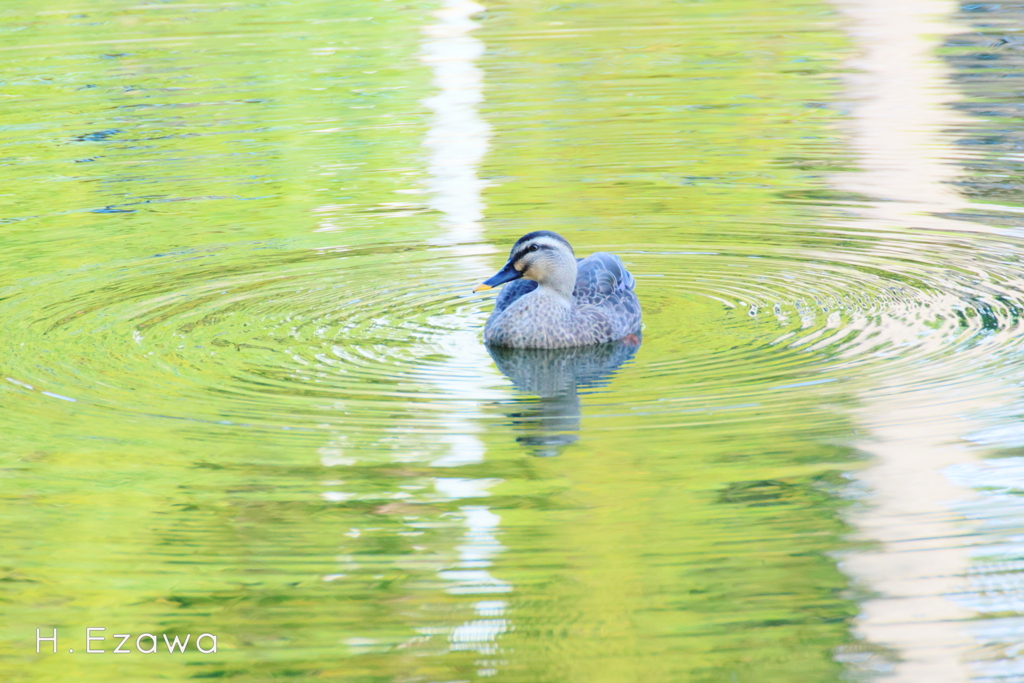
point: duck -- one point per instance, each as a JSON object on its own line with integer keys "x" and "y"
{"x": 553, "y": 300}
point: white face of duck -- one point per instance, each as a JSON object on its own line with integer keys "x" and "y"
{"x": 543, "y": 256}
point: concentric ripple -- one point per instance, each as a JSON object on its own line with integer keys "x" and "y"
{"x": 279, "y": 338}
{"x": 267, "y": 338}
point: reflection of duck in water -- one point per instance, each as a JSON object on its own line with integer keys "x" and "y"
{"x": 552, "y": 420}
{"x": 556, "y": 300}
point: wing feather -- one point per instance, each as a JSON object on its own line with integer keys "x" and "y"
{"x": 602, "y": 281}
{"x": 599, "y": 275}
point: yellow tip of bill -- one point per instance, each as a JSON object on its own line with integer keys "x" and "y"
{"x": 481, "y": 287}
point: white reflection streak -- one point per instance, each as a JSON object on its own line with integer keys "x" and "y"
{"x": 458, "y": 136}
{"x": 902, "y": 94}
{"x": 458, "y": 140}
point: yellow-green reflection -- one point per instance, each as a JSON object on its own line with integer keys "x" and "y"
{"x": 243, "y": 386}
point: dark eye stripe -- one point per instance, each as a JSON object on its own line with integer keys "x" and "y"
{"x": 523, "y": 252}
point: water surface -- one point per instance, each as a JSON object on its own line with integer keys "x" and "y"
{"x": 245, "y": 391}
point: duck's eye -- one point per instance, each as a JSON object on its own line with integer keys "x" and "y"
{"x": 533, "y": 247}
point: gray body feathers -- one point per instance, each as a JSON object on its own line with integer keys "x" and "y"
{"x": 603, "y": 307}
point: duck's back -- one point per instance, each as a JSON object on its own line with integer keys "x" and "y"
{"x": 600, "y": 276}
{"x": 602, "y": 281}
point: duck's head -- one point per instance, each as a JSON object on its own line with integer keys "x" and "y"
{"x": 543, "y": 256}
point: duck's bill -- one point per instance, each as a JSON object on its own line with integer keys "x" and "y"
{"x": 506, "y": 274}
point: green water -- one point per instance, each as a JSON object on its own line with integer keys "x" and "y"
{"x": 244, "y": 387}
